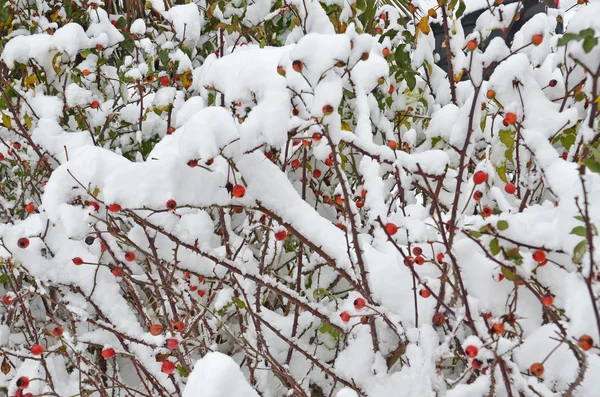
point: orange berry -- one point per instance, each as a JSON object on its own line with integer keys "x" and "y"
{"x": 537, "y": 370}
{"x": 537, "y": 39}
{"x": 586, "y": 342}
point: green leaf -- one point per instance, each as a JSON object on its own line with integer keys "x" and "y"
{"x": 128, "y": 45}
{"x": 494, "y": 247}
{"x": 182, "y": 371}
{"x": 121, "y": 23}
{"x": 507, "y": 137}
{"x": 568, "y": 37}
{"x": 589, "y": 43}
{"x": 593, "y": 165}
{"x": 589, "y": 32}
{"x": 508, "y": 273}
{"x": 411, "y": 81}
{"x": 501, "y": 172}
{"x": 320, "y": 293}
{"x": 502, "y": 225}
{"x": 579, "y": 231}
{"x": 238, "y": 302}
{"x": 579, "y": 251}
{"x": 461, "y": 9}
{"x": 164, "y": 57}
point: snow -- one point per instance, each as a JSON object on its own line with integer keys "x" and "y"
{"x": 217, "y": 375}
{"x": 250, "y": 117}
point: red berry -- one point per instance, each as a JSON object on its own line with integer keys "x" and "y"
{"x": 178, "y": 326}
{"x": 316, "y": 173}
{"x": 345, "y": 316}
{"x": 316, "y": 137}
{"x": 201, "y": 292}
{"x": 471, "y": 351}
{"x": 280, "y": 235}
{"x": 510, "y": 188}
{"x": 168, "y": 367}
{"x": 425, "y": 293}
{"x": 438, "y": 319}
{"x": 393, "y": 144}
{"x": 537, "y": 39}
{"x": 23, "y": 242}
{"x": 129, "y": 256}
{"x": 29, "y": 208}
{"x": 498, "y": 328}
{"x": 417, "y": 251}
{"x": 117, "y": 271}
{"x": 156, "y": 329}
{"x": 114, "y": 208}
{"x": 360, "y": 203}
{"x": 477, "y": 195}
{"x": 480, "y": 177}
{"x": 170, "y": 130}
{"x": 359, "y": 303}
{"x": 510, "y": 118}
{"x": 23, "y": 382}
{"x": 419, "y": 260}
{"x": 537, "y": 369}
{"x": 8, "y": 298}
{"x": 192, "y": 163}
{"x": 487, "y": 211}
{"x": 37, "y": 350}
{"x": 472, "y": 45}
{"x": 95, "y": 205}
{"x": 77, "y": 261}
{"x": 95, "y": 105}
{"x": 440, "y": 257}
{"x": 172, "y": 343}
{"x": 552, "y": 83}
{"x": 547, "y": 300}
{"x": 108, "y": 352}
{"x": 391, "y": 228}
{"x": 16, "y": 145}
{"x": 586, "y": 342}
{"x": 171, "y": 205}
{"x": 165, "y": 81}
{"x": 327, "y": 110}
{"x": 539, "y": 256}
{"x": 57, "y": 332}
{"x": 295, "y": 163}
{"x": 297, "y": 66}
{"x": 409, "y": 261}
{"x": 238, "y": 191}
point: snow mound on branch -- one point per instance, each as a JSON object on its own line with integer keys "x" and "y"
{"x": 217, "y": 375}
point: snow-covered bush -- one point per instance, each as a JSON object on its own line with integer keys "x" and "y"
{"x": 295, "y": 189}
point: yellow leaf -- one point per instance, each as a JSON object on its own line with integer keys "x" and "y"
{"x": 423, "y": 25}
{"x": 6, "y": 120}
{"x": 28, "y": 123}
{"x": 346, "y": 127}
{"x": 56, "y": 62}
{"x": 187, "y": 79}
{"x": 30, "y": 81}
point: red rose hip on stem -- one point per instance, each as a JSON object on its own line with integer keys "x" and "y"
{"x": 280, "y": 235}
{"x": 539, "y": 256}
{"x": 471, "y": 351}
{"x": 168, "y": 367}
{"x": 345, "y": 316}
{"x": 108, "y": 352}
{"x": 172, "y": 343}
{"x": 129, "y": 256}
{"x": 77, "y": 261}
{"x": 238, "y": 191}
{"x": 391, "y": 228}
{"x": 480, "y": 177}
{"x": 37, "y": 350}
{"x": 510, "y": 188}
{"x": 359, "y": 303}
